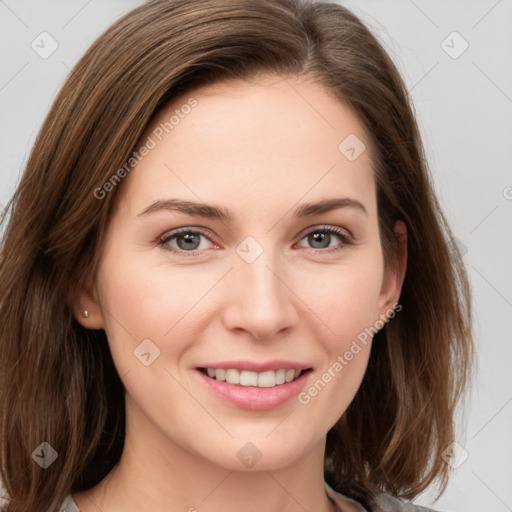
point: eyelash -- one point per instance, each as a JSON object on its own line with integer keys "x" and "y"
{"x": 345, "y": 238}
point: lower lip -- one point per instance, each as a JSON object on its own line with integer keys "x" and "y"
{"x": 253, "y": 397}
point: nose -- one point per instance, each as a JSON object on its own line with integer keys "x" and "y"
{"x": 261, "y": 302}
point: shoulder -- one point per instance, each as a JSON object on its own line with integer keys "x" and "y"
{"x": 3, "y": 494}
{"x": 344, "y": 503}
{"x": 68, "y": 505}
{"x": 383, "y": 503}
{"x": 387, "y": 503}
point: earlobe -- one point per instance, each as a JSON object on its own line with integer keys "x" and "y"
{"x": 395, "y": 273}
{"x": 86, "y": 308}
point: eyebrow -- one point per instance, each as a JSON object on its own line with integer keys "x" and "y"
{"x": 217, "y": 212}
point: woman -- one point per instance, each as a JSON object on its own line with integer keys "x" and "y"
{"x": 226, "y": 281}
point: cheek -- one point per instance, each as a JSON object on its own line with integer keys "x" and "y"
{"x": 345, "y": 301}
{"x": 344, "y": 298}
{"x": 141, "y": 300}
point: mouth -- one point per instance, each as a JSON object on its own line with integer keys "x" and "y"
{"x": 254, "y": 385}
{"x": 246, "y": 378}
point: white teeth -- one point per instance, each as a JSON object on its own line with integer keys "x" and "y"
{"x": 267, "y": 379}
{"x": 248, "y": 378}
{"x": 233, "y": 376}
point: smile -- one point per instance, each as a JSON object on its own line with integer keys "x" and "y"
{"x": 267, "y": 379}
{"x": 254, "y": 386}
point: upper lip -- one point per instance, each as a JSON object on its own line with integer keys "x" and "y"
{"x": 255, "y": 366}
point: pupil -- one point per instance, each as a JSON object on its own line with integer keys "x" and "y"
{"x": 190, "y": 241}
{"x": 320, "y": 238}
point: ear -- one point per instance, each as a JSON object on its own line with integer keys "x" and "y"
{"x": 87, "y": 301}
{"x": 394, "y": 275}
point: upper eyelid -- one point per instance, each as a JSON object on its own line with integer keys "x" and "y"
{"x": 205, "y": 232}
{"x": 168, "y": 235}
{"x": 173, "y": 232}
{"x": 326, "y": 227}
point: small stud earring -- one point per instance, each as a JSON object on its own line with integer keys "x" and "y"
{"x": 85, "y": 313}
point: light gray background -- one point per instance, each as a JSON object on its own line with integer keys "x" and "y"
{"x": 464, "y": 106}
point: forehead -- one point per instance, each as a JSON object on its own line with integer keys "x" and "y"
{"x": 268, "y": 138}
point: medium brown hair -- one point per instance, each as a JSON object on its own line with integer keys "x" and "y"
{"x": 58, "y": 382}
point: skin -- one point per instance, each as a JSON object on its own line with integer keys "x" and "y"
{"x": 259, "y": 148}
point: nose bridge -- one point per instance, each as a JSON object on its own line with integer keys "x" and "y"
{"x": 260, "y": 278}
{"x": 260, "y": 301}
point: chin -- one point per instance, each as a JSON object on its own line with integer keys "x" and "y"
{"x": 259, "y": 454}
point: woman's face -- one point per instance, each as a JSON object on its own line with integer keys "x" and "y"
{"x": 276, "y": 270}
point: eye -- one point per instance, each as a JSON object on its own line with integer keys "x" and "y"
{"x": 185, "y": 240}
{"x": 327, "y": 237}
